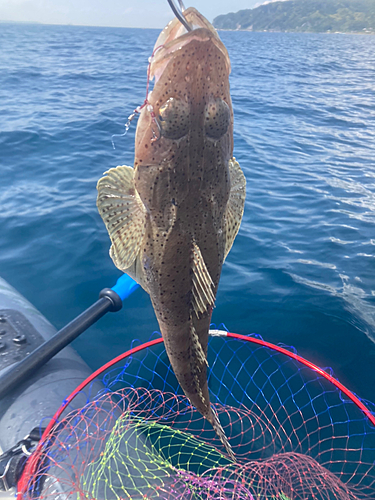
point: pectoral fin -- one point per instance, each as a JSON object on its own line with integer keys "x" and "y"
{"x": 235, "y": 206}
{"x": 203, "y": 296}
{"x": 136, "y": 272}
{"x": 123, "y": 214}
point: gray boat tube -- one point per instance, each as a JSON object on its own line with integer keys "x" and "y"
{"x": 33, "y": 402}
{"x": 39, "y": 370}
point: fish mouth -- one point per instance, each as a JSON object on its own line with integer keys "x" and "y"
{"x": 175, "y": 36}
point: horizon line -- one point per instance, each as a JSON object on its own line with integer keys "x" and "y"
{"x": 39, "y": 23}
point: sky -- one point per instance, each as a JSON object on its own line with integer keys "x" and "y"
{"x": 122, "y": 13}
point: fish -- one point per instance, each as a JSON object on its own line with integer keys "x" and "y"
{"x": 172, "y": 218}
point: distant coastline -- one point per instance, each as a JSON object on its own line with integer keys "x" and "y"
{"x": 311, "y": 32}
{"x": 306, "y": 16}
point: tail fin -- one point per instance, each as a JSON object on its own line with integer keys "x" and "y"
{"x": 215, "y": 422}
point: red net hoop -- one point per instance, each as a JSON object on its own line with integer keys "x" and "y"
{"x": 297, "y": 433}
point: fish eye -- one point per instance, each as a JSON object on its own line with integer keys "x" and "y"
{"x": 216, "y": 118}
{"x": 174, "y": 118}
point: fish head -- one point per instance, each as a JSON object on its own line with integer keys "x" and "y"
{"x": 189, "y": 114}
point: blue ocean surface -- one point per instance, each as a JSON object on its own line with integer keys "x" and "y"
{"x": 301, "y": 271}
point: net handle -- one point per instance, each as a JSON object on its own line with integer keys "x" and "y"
{"x": 32, "y": 462}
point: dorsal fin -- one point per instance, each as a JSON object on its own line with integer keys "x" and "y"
{"x": 197, "y": 349}
{"x": 123, "y": 214}
{"x": 203, "y": 295}
{"x": 235, "y": 206}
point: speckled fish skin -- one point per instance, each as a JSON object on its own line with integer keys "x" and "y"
{"x": 182, "y": 182}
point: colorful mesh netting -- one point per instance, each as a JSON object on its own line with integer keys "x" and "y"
{"x": 295, "y": 435}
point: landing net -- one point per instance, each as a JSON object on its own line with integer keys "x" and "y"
{"x": 296, "y": 432}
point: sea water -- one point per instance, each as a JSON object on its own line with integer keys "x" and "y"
{"x": 301, "y": 271}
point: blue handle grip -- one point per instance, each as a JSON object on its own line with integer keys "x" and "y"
{"x": 125, "y": 286}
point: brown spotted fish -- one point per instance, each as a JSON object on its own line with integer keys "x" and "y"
{"x": 172, "y": 219}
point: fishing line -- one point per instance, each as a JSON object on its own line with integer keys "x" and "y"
{"x": 127, "y": 126}
{"x": 138, "y": 109}
{"x": 156, "y": 137}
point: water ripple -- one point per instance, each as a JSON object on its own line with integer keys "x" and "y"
{"x": 301, "y": 270}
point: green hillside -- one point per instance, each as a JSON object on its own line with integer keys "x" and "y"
{"x": 317, "y": 16}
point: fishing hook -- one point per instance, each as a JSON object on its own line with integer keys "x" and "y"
{"x": 179, "y": 13}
